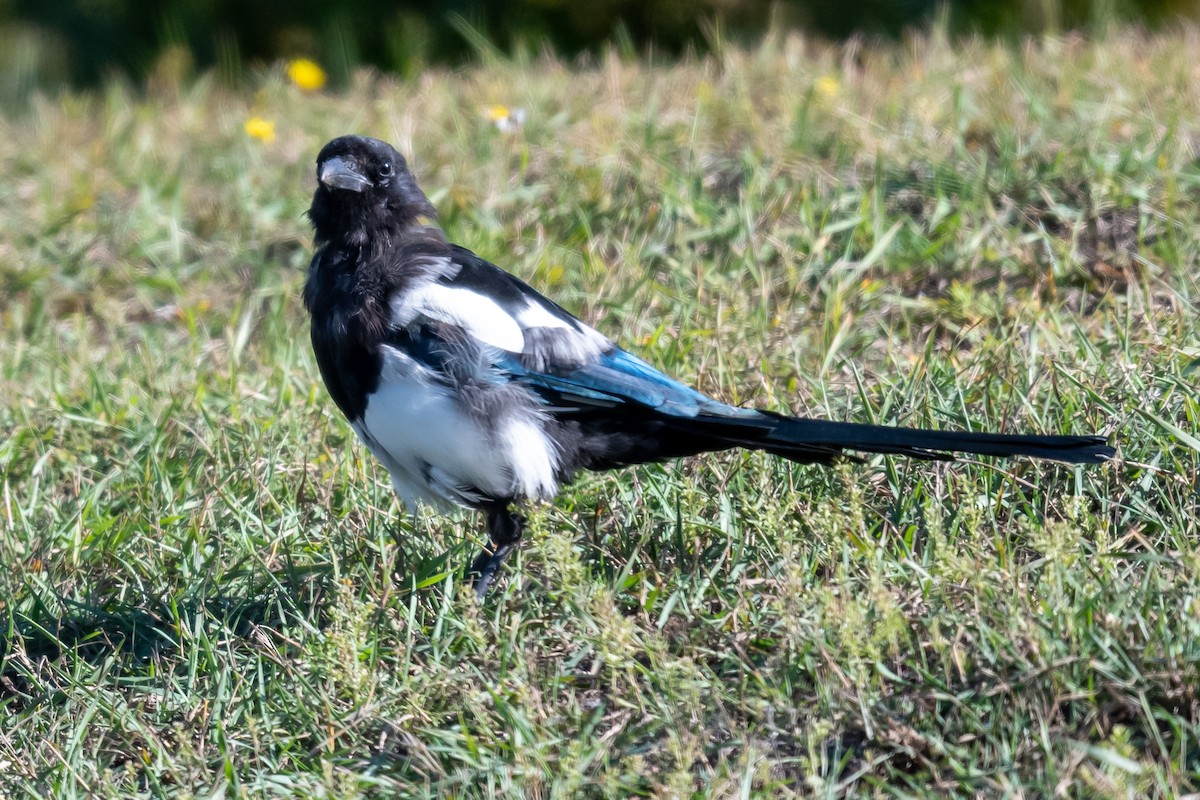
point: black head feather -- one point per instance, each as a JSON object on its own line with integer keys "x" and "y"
{"x": 365, "y": 193}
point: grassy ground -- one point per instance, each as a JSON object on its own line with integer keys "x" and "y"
{"x": 207, "y": 588}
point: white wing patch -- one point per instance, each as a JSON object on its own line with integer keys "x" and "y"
{"x": 534, "y": 315}
{"x": 551, "y": 342}
{"x": 479, "y": 315}
{"x": 544, "y": 340}
{"x": 438, "y": 452}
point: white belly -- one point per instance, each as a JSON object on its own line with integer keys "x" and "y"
{"x": 439, "y": 452}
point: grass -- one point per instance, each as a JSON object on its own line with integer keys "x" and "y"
{"x": 208, "y": 589}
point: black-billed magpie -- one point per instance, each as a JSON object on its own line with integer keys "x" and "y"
{"x": 475, "y": 390}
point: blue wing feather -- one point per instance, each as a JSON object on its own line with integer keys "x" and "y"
{"x": 620, "y": 378}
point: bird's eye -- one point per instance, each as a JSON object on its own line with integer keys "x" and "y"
{"x": 385, "y": 169}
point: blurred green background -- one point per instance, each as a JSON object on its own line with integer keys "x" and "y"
{"x": 53, "y": 43}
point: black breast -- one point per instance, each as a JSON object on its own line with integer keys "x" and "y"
{"x": 347, "y": 326}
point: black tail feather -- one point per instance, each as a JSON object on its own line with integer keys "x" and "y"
{"x": 808, "y": 440}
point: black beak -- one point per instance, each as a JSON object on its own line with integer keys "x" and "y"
{"x": 337, "y": 173}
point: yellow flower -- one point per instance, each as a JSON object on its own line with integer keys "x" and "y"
{"x": 261, "y": 129}
{"x": 827, "y": 85}
{"x": 306, "y": 74}
{"x": 506, "y": 119}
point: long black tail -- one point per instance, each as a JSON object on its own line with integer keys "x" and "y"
{"x": 819, "y": 441}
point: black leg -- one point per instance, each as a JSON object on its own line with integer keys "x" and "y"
{"x": 504, "y": 532}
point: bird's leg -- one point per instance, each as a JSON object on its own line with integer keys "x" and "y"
{"x": 504, "y": 531}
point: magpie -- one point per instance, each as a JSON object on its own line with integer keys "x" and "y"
{"x": 475, "y": 390}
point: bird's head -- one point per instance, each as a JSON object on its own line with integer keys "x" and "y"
{"x": 365, "y": 191}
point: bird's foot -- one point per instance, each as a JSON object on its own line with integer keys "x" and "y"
{"x": 485, "y": 566}
{"x": 504, "y": 532}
